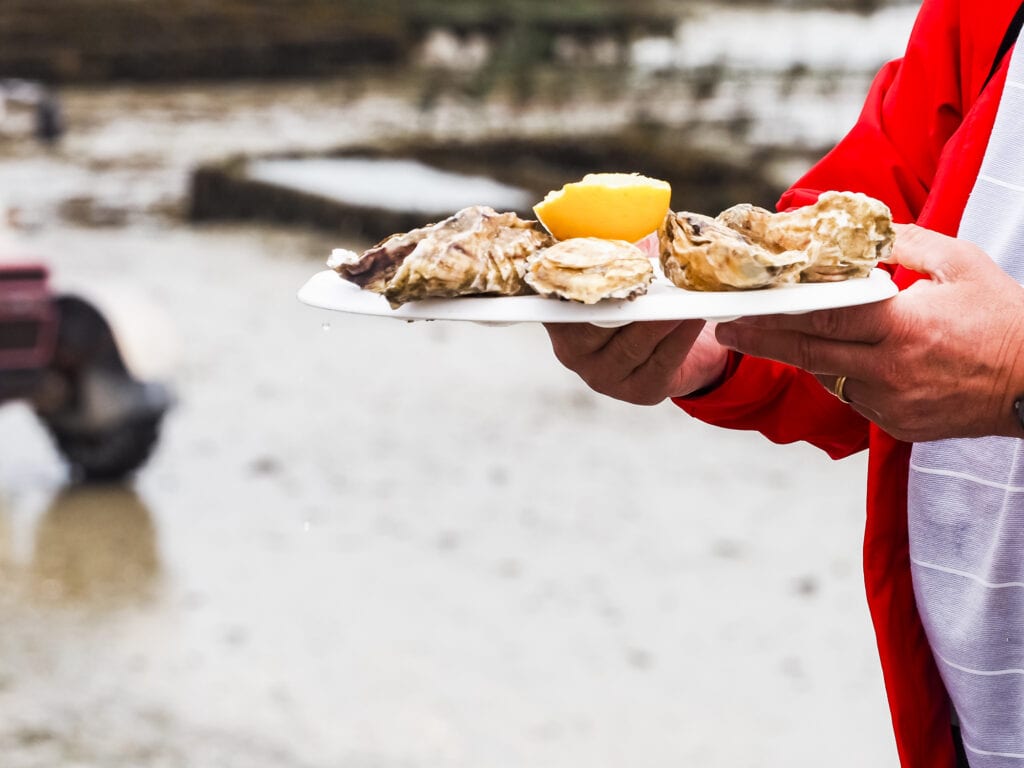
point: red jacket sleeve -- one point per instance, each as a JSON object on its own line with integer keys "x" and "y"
{"x": 784, "y": 404}
{"x": 892, "y": 153}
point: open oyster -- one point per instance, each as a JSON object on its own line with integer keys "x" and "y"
{"x": 589, "y": 270}
{"x": 702, "y": 254}
{"x": 843, "y": 235}
{"x": 475, "y": 252}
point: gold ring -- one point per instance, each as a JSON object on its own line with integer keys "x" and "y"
{"x": 839, "y": 390}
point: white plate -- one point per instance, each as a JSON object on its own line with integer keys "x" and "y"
{"x": 663, "y": 301}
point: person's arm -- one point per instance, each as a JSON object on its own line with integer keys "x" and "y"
{"x": 892, "y": 153}
{"x": 940, "y": 360}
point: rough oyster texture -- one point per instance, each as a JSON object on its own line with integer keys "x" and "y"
{"x": 842, "y": 236}
{"x": 589, "y": 270}
{"x": 702, "y": 254}
{"x": 475, "y": 252}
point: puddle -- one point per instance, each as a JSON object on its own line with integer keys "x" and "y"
{"x": 95, "y": 545}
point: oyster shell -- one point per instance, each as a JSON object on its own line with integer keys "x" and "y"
{"x": 589, "y": 270}
{"x": 702, "y": 254}
{"x": 478, "y": 251}
{"x": 844, "y": 235}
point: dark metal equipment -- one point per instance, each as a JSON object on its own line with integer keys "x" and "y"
{"x": 59, "y": 354}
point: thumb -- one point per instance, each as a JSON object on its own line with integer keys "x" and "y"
{"x": 943, "y": 258}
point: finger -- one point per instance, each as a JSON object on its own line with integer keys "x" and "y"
{"x": 930, "y": 253}
{"x": 650, "y": 245}
{"x": 856, "y": 392}
{"x": 810, "y": 353}
{"x": 838, "y": 387}
{"x": 633, "y": 346}
{"x": 666, "y": 359}
{"x": 868, "y": 323}
{"x": 575, "y": 340}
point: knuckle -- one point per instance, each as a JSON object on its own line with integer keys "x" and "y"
{"x": 826, "y": 324}
{"x": 631, "y": 354}
{"x": 915, "y": 238}
{"x": 804, "y": 353}
{"x": 891, "y": 375}
{"x": 912, "y": 234}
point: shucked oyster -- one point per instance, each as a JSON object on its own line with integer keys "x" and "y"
{"x": 702, "y": 254}
{"x": 589, "y": 270}
{"x": 843, "y": 235}
{"x": 476, "y": 251}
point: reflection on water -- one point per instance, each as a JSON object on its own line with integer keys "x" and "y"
{"x": 6, "y": 544}
{"x": 95, "y": 544}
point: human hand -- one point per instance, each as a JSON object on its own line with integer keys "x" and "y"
{"x": 641, "y": 363}
{"x": 943, "y": 359}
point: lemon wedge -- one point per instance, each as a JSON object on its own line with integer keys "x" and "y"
{"x": 610, "y": 206}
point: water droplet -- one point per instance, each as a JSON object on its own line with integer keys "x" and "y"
{"x": 325, "y": 326}
{"x": 306, "y": 526}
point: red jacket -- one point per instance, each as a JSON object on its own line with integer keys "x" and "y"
{"x": 918, "y": 145}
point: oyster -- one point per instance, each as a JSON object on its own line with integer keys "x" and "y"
{"x": 475, "y": 252}
{"x": 703, "y": 254}
{"x": 842, "y": 236}
{"x": 589, "y": 270}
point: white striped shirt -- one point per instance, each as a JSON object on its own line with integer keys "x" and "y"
{"x": 966, "y": 509}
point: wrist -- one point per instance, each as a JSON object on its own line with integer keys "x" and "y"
{"x": 728, "y": 363}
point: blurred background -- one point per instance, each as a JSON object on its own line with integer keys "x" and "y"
{"x": 359, "y": 543}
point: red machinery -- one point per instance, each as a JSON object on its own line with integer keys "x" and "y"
{"x": 28, "y": 318}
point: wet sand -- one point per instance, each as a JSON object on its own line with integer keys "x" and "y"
{"x": 369, "y": 543}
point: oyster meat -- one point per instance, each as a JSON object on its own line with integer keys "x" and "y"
{"x": 844, "y": 235}
{"x": 478, "y": 251}
{"x": 703, "y": 254}
{"x": 589, "y": 270}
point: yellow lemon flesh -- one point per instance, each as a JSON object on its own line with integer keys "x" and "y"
{"x": 610, "y": 206}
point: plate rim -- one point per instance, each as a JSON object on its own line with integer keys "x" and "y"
{"x": 327, "y": 290}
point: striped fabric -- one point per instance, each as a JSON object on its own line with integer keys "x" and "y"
{"x": 967, "y": 502}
